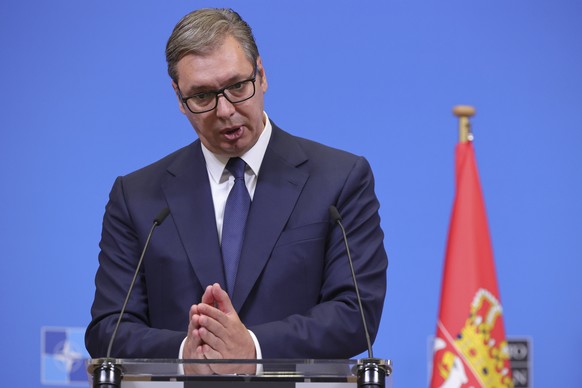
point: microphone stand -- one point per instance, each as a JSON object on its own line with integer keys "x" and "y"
{"x": 108, "y": 374}
{"x": 371, "y": 372}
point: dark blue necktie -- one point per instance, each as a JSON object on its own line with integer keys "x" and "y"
{"x": 235, "y": 219}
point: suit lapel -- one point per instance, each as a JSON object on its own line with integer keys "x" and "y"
{"x": 279, "y": 185}
{"x": 189, "y": 198}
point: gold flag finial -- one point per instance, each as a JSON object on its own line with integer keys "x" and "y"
{"x": 463, "y": 112}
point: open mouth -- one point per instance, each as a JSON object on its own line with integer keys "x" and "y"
{"x": 233, "y": 133}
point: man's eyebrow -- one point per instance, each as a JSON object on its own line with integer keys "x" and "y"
{"x": 195, "y": 89}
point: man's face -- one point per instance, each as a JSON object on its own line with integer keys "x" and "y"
{"x": 230, "y": 129}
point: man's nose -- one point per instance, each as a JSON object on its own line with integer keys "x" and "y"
{"x": 224, "y": 108}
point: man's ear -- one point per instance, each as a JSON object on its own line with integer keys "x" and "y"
{"x": 262, "y": 75}
{"x": 180, "y": 103}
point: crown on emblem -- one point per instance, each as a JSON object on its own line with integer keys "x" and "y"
{"x": 487, "y": 357}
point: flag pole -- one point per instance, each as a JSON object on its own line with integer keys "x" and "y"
{"x": 464, "y": 112}
{"x": 470, "y": 347}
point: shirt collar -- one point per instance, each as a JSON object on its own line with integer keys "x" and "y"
{"x": 215, "y": 164}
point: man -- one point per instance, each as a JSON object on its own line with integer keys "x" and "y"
{"x": 291, "y": 293}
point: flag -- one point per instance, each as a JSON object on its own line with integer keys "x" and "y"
{"x": 470, "y": 348}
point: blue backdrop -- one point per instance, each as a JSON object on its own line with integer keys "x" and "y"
{"x": 85, "y": 97}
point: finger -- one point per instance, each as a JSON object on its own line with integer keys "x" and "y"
{"x": 210, "y": 353}
{"x": 193, "y": 313}
{"x": 194, "y": 322}
{"x": 212, "y": 338}
{"x": 194, "y": 335}
{"x": 197, "y": 354}
{"x": 209, "y": 322}
{"x": 223, "y": 302}
{"x": 192, "y": 347}
{"x": 208, "y": 297}
{"x": 205, "y": 310}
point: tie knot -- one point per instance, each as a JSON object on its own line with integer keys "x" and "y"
{"x": 236, "y": 166}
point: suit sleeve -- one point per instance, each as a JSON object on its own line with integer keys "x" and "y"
{"x": 333, "y": 327}
{"x": 121, "y": 245}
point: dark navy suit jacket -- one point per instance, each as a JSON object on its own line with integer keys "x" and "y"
{"x": 293, "y": 289}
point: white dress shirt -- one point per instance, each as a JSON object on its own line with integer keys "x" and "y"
{"x": 222, "y": 181}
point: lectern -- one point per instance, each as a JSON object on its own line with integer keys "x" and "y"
{"x": 149, "y": 373}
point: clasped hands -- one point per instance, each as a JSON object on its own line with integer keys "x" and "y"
{"x": 215, "y": 331}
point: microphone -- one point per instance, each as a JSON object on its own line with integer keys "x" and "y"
{"x": 108, "y": 375}
{"x": 372, "y": 371}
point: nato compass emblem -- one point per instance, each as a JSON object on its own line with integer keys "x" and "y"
{"x": 63, "y": 356}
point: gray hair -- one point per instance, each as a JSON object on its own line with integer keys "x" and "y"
{"x": 202, "y": 31}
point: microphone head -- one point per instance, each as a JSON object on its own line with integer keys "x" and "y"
{"x": 334, "y": 214}
{"x": 161, "y": 216}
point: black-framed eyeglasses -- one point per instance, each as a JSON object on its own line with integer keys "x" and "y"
{"x": 206, "y": 101}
